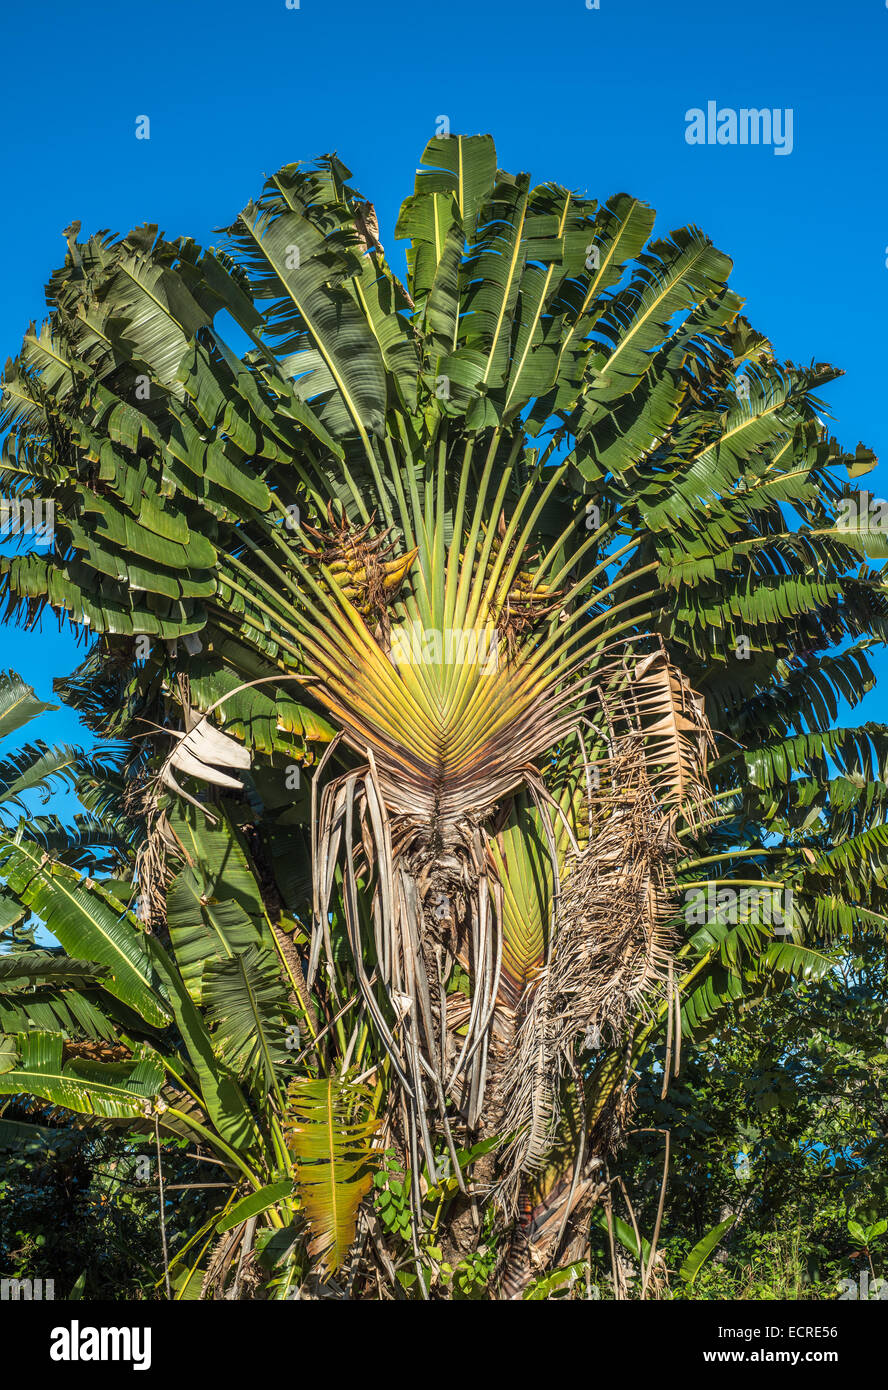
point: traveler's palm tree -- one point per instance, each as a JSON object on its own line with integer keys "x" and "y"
{"x": 539, "y": 564}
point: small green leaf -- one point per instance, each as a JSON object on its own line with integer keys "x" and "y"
{"x": 255, "y": 1203}
{"x": 696, "y": 1259}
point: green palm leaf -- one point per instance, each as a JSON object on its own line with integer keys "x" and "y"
{"x": 245, "y": 1002}
{"x": 88, "y": 922}
{"x": 18, "y": 704}
{"x": 331, "y": 1134}
{"x": 109, "y": 1091}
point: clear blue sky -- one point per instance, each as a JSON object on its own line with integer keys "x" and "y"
{"x": 593, "y": 99}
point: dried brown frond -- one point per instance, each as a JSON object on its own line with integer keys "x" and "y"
{"x": 367, "y": 226}
{"x": 613, "y": 945}
{"x": 612, "y": 951}
{"x": 151, "y": 871}
{"x": 678, "y": 741}
{"x": 550, "y": 1228}
{"x": 221, "y": 1260}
